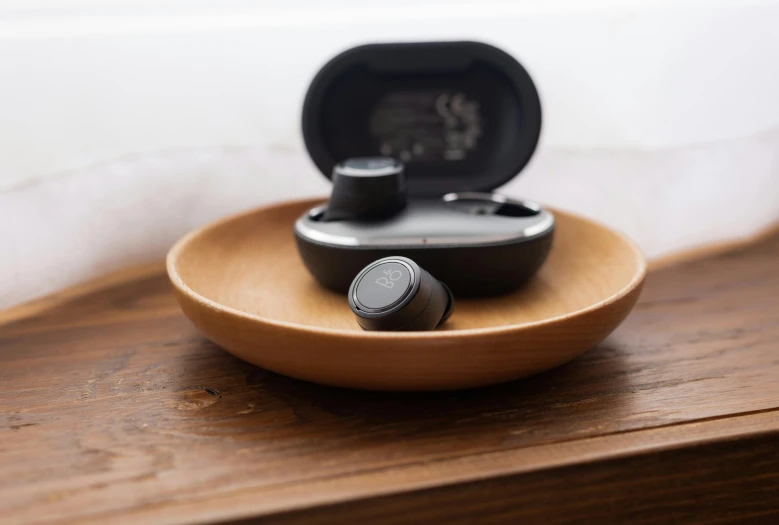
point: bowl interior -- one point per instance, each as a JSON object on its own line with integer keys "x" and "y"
{"x": 250, "y": 263}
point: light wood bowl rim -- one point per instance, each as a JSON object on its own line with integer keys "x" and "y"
{"x": 181, "y": 286}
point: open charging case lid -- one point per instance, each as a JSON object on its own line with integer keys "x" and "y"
{"x": 462, "y": 116}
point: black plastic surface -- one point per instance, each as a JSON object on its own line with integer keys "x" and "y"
{"x": 463, "y": 116}
{"x": 469, "y": 271}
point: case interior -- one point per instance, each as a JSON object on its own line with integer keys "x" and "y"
{"x": 462, "y": 116}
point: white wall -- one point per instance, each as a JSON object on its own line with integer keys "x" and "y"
{"x": 123, "y": 124}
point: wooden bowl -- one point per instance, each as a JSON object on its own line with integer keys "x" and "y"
{"x": 241, "y": 282}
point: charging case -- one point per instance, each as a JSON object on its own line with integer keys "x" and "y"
{"x": 465, "y": 118}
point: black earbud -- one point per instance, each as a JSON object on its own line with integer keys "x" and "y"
{"x": 367, "y": 188}
{"x": 395, "y": 294}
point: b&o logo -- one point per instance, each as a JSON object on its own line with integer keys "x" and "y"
{"x": 388, "y": 281}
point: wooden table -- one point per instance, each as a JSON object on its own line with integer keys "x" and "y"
{"x": 114, "y": 410}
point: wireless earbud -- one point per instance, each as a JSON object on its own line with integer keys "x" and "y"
{"x": 367, "y": 188}
{"x": 395, "y": 294}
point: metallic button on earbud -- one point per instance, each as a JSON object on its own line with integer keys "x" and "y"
{"x": 395, "y": 293}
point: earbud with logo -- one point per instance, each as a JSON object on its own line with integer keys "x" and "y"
{"x": 396, "y": 294}
{"x": 367, "y": 188}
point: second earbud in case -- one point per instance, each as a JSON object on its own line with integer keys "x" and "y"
{"x": 367, "y": 188}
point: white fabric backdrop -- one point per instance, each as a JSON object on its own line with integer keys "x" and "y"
{"x": 123, "y": 127}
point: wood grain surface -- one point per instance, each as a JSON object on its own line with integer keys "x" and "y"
{"x": 242, "y": 282}
{"x": 113, "y": 409}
